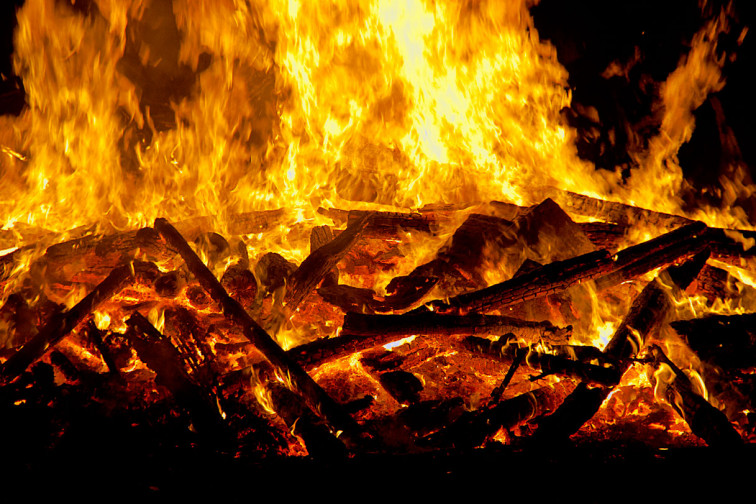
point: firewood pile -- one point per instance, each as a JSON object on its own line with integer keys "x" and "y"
{"x": 181, "y": 332}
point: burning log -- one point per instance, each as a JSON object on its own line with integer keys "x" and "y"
{"x": 718, "y": 284}
{"x": 319, "y": 236}
{"x": 161, "y": 356}
{"x": 94, "y": 255}
{"x": 657, "y": 252}
{"x": 241, "y": 285}
{"x": 169, "y": 284}
{"x": 543, "y": 233}
{"x": 16, "y": 322}
{"x": 316, "y": 266}
{"x": 362, "y": 332}
{"x": 440, "y": 325}
{"x": 273, "y": 271}
{"x": 315, "y": 396}
{"x": 472, "y": 428}
{"x": 272, "y": 394}
{"x": 381, "y": 224}
{"x": 549, "y": 279}
{"x": 62, "y": 324}
{"x": 390, "y": 223}
{"x": 649, "y": 309}
{"x": 506, "y": 351}
{"x": 95, "y": 335}
{"x": 706, "y": 421}
{"x": 604, "y": 235}
{"x": 605, "y": 269}
{"x": 457, "y": 264}
{"x": 618, "y": 213}
{"x": 355, "y": 299}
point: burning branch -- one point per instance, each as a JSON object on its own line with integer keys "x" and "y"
{"x": 649, "y": 309}
{"x": 315, "y": 267}
{"x": 362, "y": 332}
{"x": 315, "y": 396}
{"x": 706, "y": 421}
{"x": 62, "y": 324}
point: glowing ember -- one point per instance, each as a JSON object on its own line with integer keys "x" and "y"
{"x": 383, "y": 194}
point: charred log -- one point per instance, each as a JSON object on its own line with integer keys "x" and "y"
{"x": 435, "y": 324}
{"x": 649, "y": 309}
{"x": 320, "y": 236}
{"x": 362, "y": 332}
{"x": 559, "y": 363}
{"x": 93, "y": 333}
{"x": 727, "y": 341}
{"x": 549, "y": 279}
{"x": 161, "y": 356}
{"x": 318, "y": 264}
{"x": 472, "y": 428}
{"x": 273, "y": 271}
{"x": 658, "y": 252}
{"x": 354, "y": 299}
{"x": 62, "y": 324}
{"x": 315, "y": 396}
{"x": 706, "y": 421}
{"x": 618, "y": 213}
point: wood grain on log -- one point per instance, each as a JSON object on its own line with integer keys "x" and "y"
{"x": 706, "y": 421}
{"x": 648, "y": 310}
{"x": 161, "y": 356}
{"x": 312, "y": 270}
{"x": 549, "y": 279}
{"x": 507, "y": 352}
{"x": 62, "y": 324}
{"x": 361, "y": 332}
{"x": 313, "y": 394}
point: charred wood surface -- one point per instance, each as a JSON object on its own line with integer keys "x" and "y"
{"x": 658, "y": 252}
{"x": 647, "y": 312}
{"x": 560, "y": 364}
{"x": 299, "y": 418}
{"x": 319, "y": 263}
{"x": 362, "y": 332}
{"x": 319, "y": 237}
{"x": 472, "y": 428}
{"x": 435, "y": 324}
{"x": 313, "y": 394}
{"x": 549, "y": 279}
{"x": 728, "y": 341}
{"x": 706, "y": 421}
{"x": 61, "y": 324}
{"x": 618, "y": 213}
{"x": 161, "y": 356}
{"x": 355, "y": 299}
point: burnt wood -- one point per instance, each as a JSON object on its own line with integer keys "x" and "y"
{"x": 473, "y": 427}
{"x": 509, "y": 352}
{"x": 161, "y": 356}
{"x": 647, "y": 312}
{"x": 706, "y": 421}
{"x": 549, "y": 279}
{"x": 727, "y": 341}
{"x": 312, "y": 270}
{"x": 63, "y": 323}
{"x": 314, "y": 395}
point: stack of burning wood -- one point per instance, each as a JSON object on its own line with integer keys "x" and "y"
{"x": 441, "y": 360}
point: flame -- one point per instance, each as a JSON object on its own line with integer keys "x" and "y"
{"x": 139, "y": 109}
{"x": 300, "y": 105}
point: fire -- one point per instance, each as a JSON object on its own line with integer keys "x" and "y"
{"x": 261, "y": 120}
{"x": 301, "y": 105}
